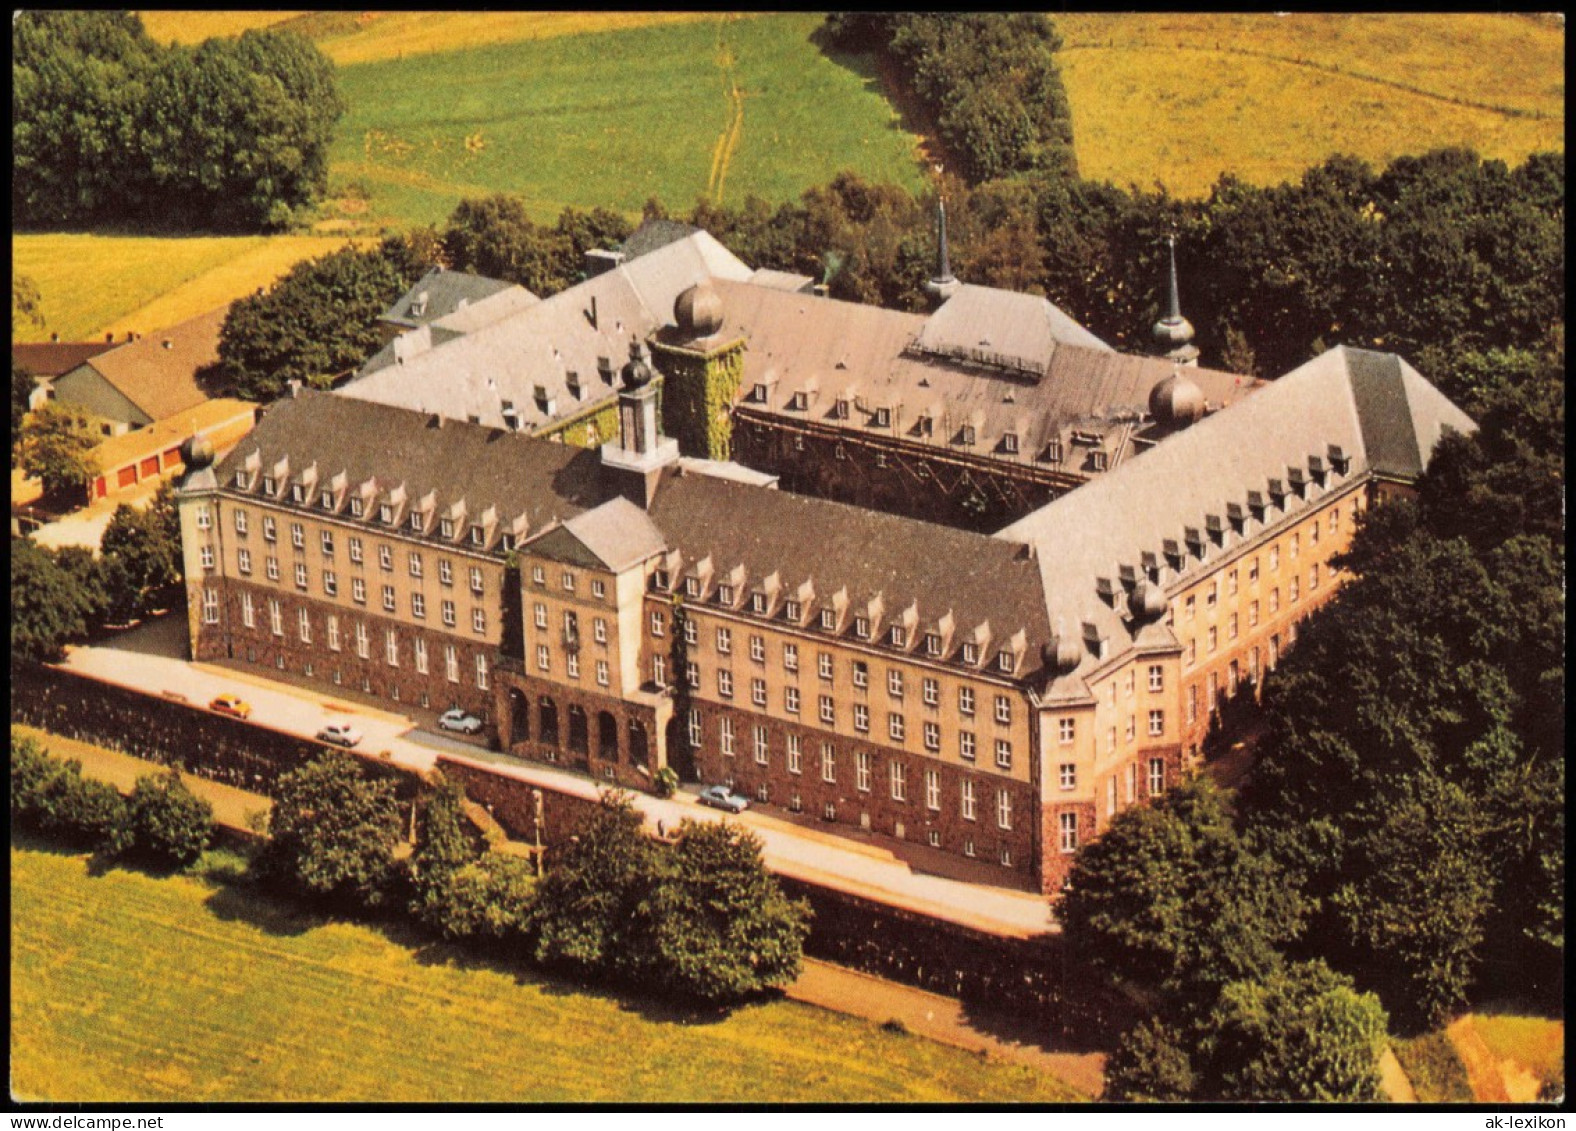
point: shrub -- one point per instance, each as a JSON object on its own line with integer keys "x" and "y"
{"x": 81, "y": 811}
{"x": 666, "y": 783}
{"x": 486, "y": 899}
{"x": 166, "y": 822}
{"x": 1434, "y": 1068}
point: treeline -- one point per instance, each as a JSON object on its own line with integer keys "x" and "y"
{"x": 109, "y": 126}
{"x": 988, "y": 81}
{"x": 1436, "y": 257}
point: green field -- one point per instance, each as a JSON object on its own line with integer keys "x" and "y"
{"x": 719, "y": 108}
{"x": 1181, "y": 98}
{"x": 128, "y": 988}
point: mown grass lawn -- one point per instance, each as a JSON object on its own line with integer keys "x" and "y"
{"x": 132, "y": 988}
{"x": 1180, "y": 98}
{"x": 720, "y": 108}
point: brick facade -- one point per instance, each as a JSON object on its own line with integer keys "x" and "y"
{"x": 611, "y": 739}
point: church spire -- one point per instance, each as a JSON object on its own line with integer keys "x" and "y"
{"x": 1174, "y": 334}
{"x": 943, "y": 284}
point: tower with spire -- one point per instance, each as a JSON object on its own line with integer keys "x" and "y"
{"x": 1174, "y": 334}
{"x": 943, "y": 284}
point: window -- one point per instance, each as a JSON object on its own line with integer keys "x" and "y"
{"x": 598, "y": 588}
{"x": 1068, "y": 823}
{"x": 451, "y": 664}
{"x": 354, "y": 547}
{"x": 1004, "y": 661}
{"x": 1188, "y": 607}
{"x": 759, "y": 743}
{"x": 391, "y": 648}
{"x": 1157, "y": 677}
{"x": 1192, "y": 703}
{"x": 898, "y": 774}
{"x": 861, "y": 674}
{"x": 898, "y": 635}
{"x": 297, "y": 536}
{"x": 828, "y": 710}
{"x": 385, "y": 557}
{"x": 1068, "y": 775}
{"x": 210, "y": 606}
{"x": 204, "y": 517}
{"x": 1110, "y": 797}
{"x": 358, "y": 588}
{"x": 388, "y": 598}
{"x": 300, "y": 575}
{"x": 1003, "y": 809}
{"x": 757, "y": 649}
{"x": 1313, "y": 577}
{"x": 270, "y": 529}
{"x": 895, "y": 727}
{"x": 824, "y": 665}
{"x": 862, "y": 771}
{"x": 724, "y": 641}
{"x": 1274, "y": 558}
{"x": 363, "y": 645}
{"x": 966, "y": 700}
{"x": 1132, "y": 727}
{"x": 791, "y": 700}
{"x": 1003, "y": 754}
{"x": 1003, "y": 710}
{"x": 793, "y": 611}
{"x": 206, "y": 554}
{"x": 1157, "y": 723}
{"x": 602, "y": 673}
{"x": 333, "y": 632}
{"x": 478, "y": 536}
{"x": 894, "y": 683}
{"x": 304, "y": 625}
{"x": 862, "y": 628}
{"x": 1296, "y": 540}
{"x": 1253, "y": 613}
{"x": 933, "y": 791}
{"x": 1110, "y": 741}
{"x": 572, "y": 664}
{"x": 691, "y": 632}
{"x": 481, "y": 670}
{"x": 240, "y": 521}
{"x": 1253, "y": 570}
{"x": 276, "y": 621}
{"x": 448, "y": 614}
{"x": 1292, "y": 590}
{"x": 966, "y": 745}
{"x": 445, "y": 571}
{"x": 758, "y": 692}
{"x": 931, "y": 693}
{"x": 1213, "y": 638}
{"x": 725, "y": 595}
{"x": 1130, "y": 682}
{"x": 658, "y": 627}
{"x": 599, "y": 630}
{"x": 725, "y": 683}
{"x": 828, "y": 763}
{"x": 692, "y": 587}
{"x": 694, "y": 728}
{"x": 1067, "y": 730}
{"x": 330, "y": 583}
{"x": 1335, "y": 520}
{"x": 794, "y": 755}
{"x": 968, "y": 799}
{"x": 725, "y": 729}
{"x": 861, "y": 717}
{"x": 419, "y": 648}
{"x": 758, "y": 603}
{"x": 791, "y": 657}
{"x": 415, "y": 564}
{"x": 476, "y": 580}
{"x": 659, "y": 671}
{"x": 692, "y": 674}
{"x": 1132, "y": 782}
{"x": 1231, "y": 584}
{"x": 1157, "y": 776}
{"x": 1231, "y": 627}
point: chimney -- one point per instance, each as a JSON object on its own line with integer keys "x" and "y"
{"x": 593, "y": 312}
{"x": 599, "y": 261}
{"x": 168, "y": 344}
{"x": 295, "y": 388}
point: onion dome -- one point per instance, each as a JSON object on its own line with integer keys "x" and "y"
{"x": 1173, "y": 334}
{"x": 1147, "y": 601}
{"x": 1176, "y": 402}
{"x": 698, "y": 311}
{"x": 1064, "y": 653}
{"x": 197, "y": 452}
{"x": 637, "y": 372}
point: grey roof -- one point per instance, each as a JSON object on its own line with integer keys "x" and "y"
{"x": 618, "y": 534}
{"x": 782, "y": 280}
{"x": 977, "y": 579}
{"x": 518, "y": 477}
{"x": 654, "y": 234}
{"x": 830, "y": 350}
{"x": 440, "y": 293}
{"x": 1375, "y": 408}
{"x": 543, "y": 361}
{"x": 1001, "y": 327}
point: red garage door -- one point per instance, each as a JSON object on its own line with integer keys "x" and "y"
{"x": 127, "y": 476}
{"x": 150, "y": 467}
{"x": 171, "y": 458}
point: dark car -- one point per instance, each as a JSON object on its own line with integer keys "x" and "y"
{"x": 721, "y": 797}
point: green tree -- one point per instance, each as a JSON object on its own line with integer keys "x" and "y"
{"x": 56, "y": 446}
{"x": 717, "y": 927}
{"x": 1150, "y": 1064}
{"x": 494, "y": 236}
{"x": 142, "y": 555}
{"x": 49, "y": 605}
{"x": 333, "y": 831}
{"x": 165, "y": 821}
{"x": 487, "y": 899}
{"x": 21, "y": 391}
{"x": 315, "y": 324}
{"x": 586, "y": 902}
{"x": 444, "y": 845}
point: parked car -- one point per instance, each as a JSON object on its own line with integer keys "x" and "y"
{"x": 340, "y": 734}
{"x": 721, "y": 797}
{"x": 232, "y": 705}
{"x": 462, "y": 721}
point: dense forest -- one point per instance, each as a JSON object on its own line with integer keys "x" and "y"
{"x": 110, "y": 127}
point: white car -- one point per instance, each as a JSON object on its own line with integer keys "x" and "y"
{"x": 458, "y": 720}
{"x": 340, "y": 734}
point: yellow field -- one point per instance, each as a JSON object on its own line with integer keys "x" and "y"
{"x": 367, "y": 37}
{"x": 1534, "y": 1044}
{"x": 1182, "y": 98}
{"x": 92, "y": 284}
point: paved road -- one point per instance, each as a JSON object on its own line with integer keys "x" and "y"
{"x": 788, "y": 849}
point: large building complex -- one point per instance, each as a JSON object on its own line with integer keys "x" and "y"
{"x": 988, "y": 696}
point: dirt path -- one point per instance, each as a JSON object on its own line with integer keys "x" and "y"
{"x": 937, "y": 1018}
{"x": 1493, "y": 1079}
{"x": 1392, "y": 1078}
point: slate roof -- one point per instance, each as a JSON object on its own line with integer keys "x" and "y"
{"x": 51, "y": 359}
{"x": 440, "y": 293}
{"x": 654, "y": 234}
{"x": 518, "y": 477}
{"x": 618, "y": 533}
{"x": 986, "y": 323}
{"x": 1378, "y": 411}
{"x": 473, "y": 365}
{"x": 975, "y": 578}
{"x": 162, "y": 380}
{"x": 832, "y": 350}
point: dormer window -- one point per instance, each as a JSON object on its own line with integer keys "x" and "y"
{"x": 386, "y": 514}
{"x": 446, "y": 527}
{"x": 415, "y": 521}
{"x": 1052, "y": 452}
{"x": 1004, "y": 661}
{"x": 828, "y": 619}
{"x": 242, "y": 480}
{"x": 356, "y": 508}
{"x": 757, "y": 602}
{"x": 932, "y": 644}
{"x": 297, "y": 493}
{"x": 692, "y": 587}
{"x": 269, "y": 486}
{"x": 1099, "y": 461}
{"x": 883, "y": 418}
{"x": 840, "y": 409}
{"x": 927, "y": 425}
{"x": 862, "y": 628}
{"x": 1009, "y": 443}
{"x": 327, "y": 500}
{"x": 971, "y": 653}
{"x": 799, "y": 401}
{"x": 758, "y": 394}
{"x": 792, "y": 610}
{"x": 966, "y": 437}
{"x": 898, "y": 636}
{"x": 659, "y": 579}
{"x": 725, "y": 594}
{"x": 507, "y": 543}
{"x": 478, "y": 536}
